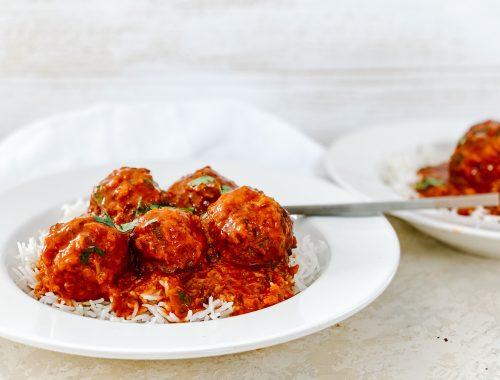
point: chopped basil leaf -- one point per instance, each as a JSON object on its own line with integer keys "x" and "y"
{"x": 106, "y": 219}
{"x": 126, "y": 227}
{"x": 428, "y": 182}
{"x": 85, "y": 254}
{"x": 151, "y": 182}
{"x": 84, "y": 257}
{"x": 184, "y": 298}
{"x": 151, "y": 221}
{"x": 98, "y": 195}
{"x": 142, "y": 208}
{"x": 203, "y": 180}
{"x": 225, "y": 189}
{"x": 188, "y": 209}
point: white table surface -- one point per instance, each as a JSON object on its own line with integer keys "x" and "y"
{"x": 439, "y": 319}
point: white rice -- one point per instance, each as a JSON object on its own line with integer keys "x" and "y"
{"x": 399, "y": 171}
{"x": 306, "y": 256}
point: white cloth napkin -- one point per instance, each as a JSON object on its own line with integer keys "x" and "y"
{"x": 106, "y": 134}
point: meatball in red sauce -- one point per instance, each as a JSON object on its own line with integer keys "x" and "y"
{"x": 474, "y": 167}
{"x": 81, "y": 259}
{"x": 199, "y": 190}
{"x": 124, "y": 193}
{"x": 247, "y": 227}
{"x": 475, "y": 163}
{"x": 170, "y": 239}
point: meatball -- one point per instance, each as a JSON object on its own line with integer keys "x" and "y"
{"x": 81, "y": 259}
{"x": 124, "y": 194}
{"x": 171, "y": 239}
{"x": 199, "y": 190}
{"x": 246, "y": 227}
{"x": 475, "y": 163}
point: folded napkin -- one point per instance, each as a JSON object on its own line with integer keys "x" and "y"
{"x": 118, "y": 134}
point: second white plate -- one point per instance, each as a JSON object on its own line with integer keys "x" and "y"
{"x": 356, "y": 162}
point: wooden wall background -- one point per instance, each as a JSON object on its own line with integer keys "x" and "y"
{"x": 324, "y": 65}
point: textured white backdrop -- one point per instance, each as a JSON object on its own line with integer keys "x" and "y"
{"x": 325, "y": 66}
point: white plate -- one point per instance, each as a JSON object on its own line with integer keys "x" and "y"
{"x": 355, "y": 161}
{"x": 362, "y": 259}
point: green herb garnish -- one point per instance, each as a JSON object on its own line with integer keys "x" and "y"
{"x": 188, "y": 209}
{"x": 184, "y": 298}
{"x": 428, "y": 182}
{"x": 150, "y": 221}
{"x": 225, "y": 189}
{"x": 85, "y": 254}
{"x": 106, "y": 219}
{"x": 142, "y": 209}
{"x": 203, "y": 180}
{"x": 149, "y": 181}
{"x": 98, "y": 195}
{"x": 461, "y": 141}
{"x": 126, "y": 227}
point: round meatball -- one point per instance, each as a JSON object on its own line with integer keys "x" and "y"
{"x": 475, "y": 163}
{"x": 124, "y": 194}
{"x": 81, "y": 259}
{"x": 171, "y": 239}
{"x": 246, "y": 227}
{"x": 199, "y": 190}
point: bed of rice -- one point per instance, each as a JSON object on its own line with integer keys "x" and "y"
{"x": 399, "y": 171}
{"x": 305, "y": 255}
